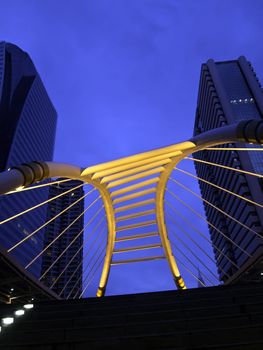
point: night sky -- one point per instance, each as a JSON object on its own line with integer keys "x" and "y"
{"x": 123, "y": 76}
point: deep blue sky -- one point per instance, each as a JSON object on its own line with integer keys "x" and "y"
{"x": 123, "y": 74}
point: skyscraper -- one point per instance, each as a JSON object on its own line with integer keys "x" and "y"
{"x": 229, "y": 92}
{"x": 27, "y": 133}
{"x": 66, "y": 253}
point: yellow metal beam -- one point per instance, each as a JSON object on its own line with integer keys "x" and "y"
{"x": 134, "y": 195}
{"x": 137, "y": 225}
{"x": 135, "y": 177}
{"x": 135, "y": 205}
{"x": 135, "y": 215}
{"x": 176, "y": 149}
{"x": 135, "y": 170}
{"x": 116, "y": 169}
{"x": 135, "y": 186}
{"x": 133, "y": 237}
{"x": 133, "y": 249}
{"x": 120, "y": 262}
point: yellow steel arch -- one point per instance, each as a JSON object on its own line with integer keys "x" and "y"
{"x": 140, "y": 167}
{"x": 133, "y": 178}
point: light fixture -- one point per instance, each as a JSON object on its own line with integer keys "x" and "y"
{"x": 28, "y": 306}
{"x": 261, "y": 273}
{"x": 19, "y": 312}
{"x": 7, "y": 321}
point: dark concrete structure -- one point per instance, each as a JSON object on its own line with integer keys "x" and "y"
{"x": 229, "y": 92}
{"x": 225, "y": 317}
{"x": 27, "y": 133}
{"x": 66, "y": 253}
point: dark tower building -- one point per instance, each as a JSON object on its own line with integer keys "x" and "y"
{"x": 229, "y": 92}
{"x": 27, "y": 133}
{"x": 66, "y": 271}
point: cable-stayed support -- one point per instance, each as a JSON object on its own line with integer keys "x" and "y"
{"x": 234, "y": 149}
{"x": 218, "y": 209}
{"x": 97, "y": 262}
{"x": 201, "y": 234}
{"x": 73, "y": 240}
{"x": 39, "y": 205}
{"x": 78, "y": 251}
{"x": 224, "y": 167}
{"x": 133, "y": 192}
{"x": 87, "y": 265}
{"x": 209, "y": 223}
{"x": 23, "y": 189}
{"x": 220, "y": 188}
{"x": 194, "y": 242}
{"x": 80, "y": 264}
{"x": 48, "y": 222}
{"x": 189, "y": 249}
{"x": 61, "y": 233}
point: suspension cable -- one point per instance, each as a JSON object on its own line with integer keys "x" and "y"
{"x": 186, "y": 268}
{"x": 93, "y": 275}
{"x": 202, "y": 235}
{"x": 224, "y": 167}
{"x": 39, "y": 205}
{"x": 190, "y": 250}
{"x": 81, "y": 247}
{"x": 70, "y": 244}
{"x": 233, "y": 149}
{"x": 86, "y": 267}
{"x": 22, "y": 189}
{"x": 61, "y": 233}
{"x": 195, "y": 243}
{"x": 220, "y": 210}
{"x": 209, "y": 223}
{"x": 188, "y": 259}
{"x": 48, "y": 222}
{"x": 81, "y": 263}
{"x": 219, "y": 187}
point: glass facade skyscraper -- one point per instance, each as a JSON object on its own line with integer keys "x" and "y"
{"x": 27, "y": 133}
{"x": 229, "y": 92}
{"x": 66, "y": 253}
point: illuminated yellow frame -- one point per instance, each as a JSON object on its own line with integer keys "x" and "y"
{"x": 106, "y": 176}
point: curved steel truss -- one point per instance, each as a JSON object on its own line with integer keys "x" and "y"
{"x": 139, "y": 179}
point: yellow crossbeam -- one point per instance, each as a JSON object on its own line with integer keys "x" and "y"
{"x": 127, "y": 166}
{"x": 131, "y": 238}
{"x": 135, "y": 186}
{"x": 135, "y": 205}
{"x": 135, "y": 177}
{"x": 135, "y": 215}
{"x": 137, "y": 225}
{"x": 133, "y": 249}
{"x": 135, "y": 170}
{"x": 134, "y": 195}
{"x": 120, "y": 262}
